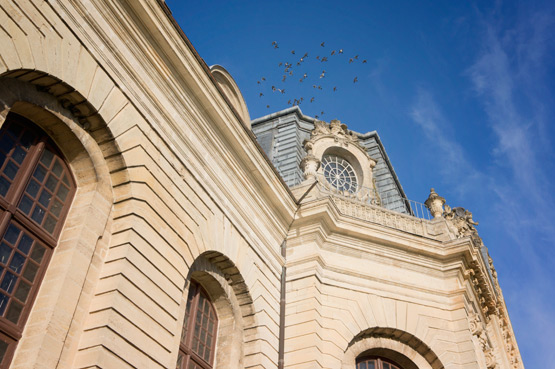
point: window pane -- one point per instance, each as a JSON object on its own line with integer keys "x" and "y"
{"x": 19, "y": 154}
{"x": 40, "y": 173}
{"x": 8, "y": 282}
{"x": 57, "y": 168}
{"x": 12, "y": 233}
{"x": 17, "y": 262}
{"x": 4, "y": 186}
{"x": 46, "y": 158}
{"x": 22, "y": 291}
{"x": 62, "y": 193}
{"x": 50, "y": 224}
{"x": 11, "y": 170}
{"x": 3, "y": 303}
{"x": 26, "y": 204}
{"x": 30, "y": 271}
{"x": 14, "y": 311}
{"x": 45, "y": 198}
{"x": 51, "y": 183}
{"x": 3, "y": 349}
{"x": 25, "y": 244}
{"x": 33, "y": 188}
{"x": 38, "y": 253}
{"x": 38, "y": 214}
{"x": 5, "y": 252}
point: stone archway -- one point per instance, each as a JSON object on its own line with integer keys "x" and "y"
{"x": 400, "y": 346}
{"x": 223, "y": 282}
{"x": 67, "y": 289}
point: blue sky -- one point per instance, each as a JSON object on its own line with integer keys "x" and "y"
{"x": 461, "y": 93}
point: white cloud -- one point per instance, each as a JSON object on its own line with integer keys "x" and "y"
{"x": 455, "y": 168}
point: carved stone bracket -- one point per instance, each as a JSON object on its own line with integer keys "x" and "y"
{"x": 477, "y": 329}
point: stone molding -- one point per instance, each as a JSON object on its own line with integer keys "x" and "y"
{"x": 418, "y": 354}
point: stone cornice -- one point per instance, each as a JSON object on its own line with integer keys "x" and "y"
{"x": 147, "y": 57}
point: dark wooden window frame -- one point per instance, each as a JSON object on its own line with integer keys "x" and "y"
{"x": 379, "y": 362}
{"x": 11, "y": 214}
{"x": 188, "y": 358}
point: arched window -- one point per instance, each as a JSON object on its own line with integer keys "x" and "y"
{"x": 200, "y": 326}
{"x": 370, "y": 362}
{"x": 339, "y": 173}
{"x": 36, "y": 189}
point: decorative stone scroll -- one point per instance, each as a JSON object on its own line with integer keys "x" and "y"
{"x": 477, "y": 329}
{"x": 336, "y": 129}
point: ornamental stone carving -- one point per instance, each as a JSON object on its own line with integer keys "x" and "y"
{"x": 335, "y": 139}
{"x": 478, "y": 330}
{"x": 435, "y": 204}
{"x": 462, "y": 221}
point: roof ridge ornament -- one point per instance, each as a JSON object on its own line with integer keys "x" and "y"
{"x": 334, "y": 128}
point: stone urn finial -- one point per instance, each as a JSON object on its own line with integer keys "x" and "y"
{"x": 435, "y": 204}
{"x": 310, "y": 165}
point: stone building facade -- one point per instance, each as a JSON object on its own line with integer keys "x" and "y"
{"x": 144, "y": 227}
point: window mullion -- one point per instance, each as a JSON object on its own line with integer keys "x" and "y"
{"x": 24, "y": 175}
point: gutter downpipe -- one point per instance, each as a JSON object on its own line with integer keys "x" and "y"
{"x": 282, "y": 299}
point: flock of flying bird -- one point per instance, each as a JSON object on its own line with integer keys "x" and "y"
{"x": 288, "y": 73}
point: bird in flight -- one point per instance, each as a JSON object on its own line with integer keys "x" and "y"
{"x": 304, "y": 75}
{"x": 293, "y": 52}
{"x": 355, "y": 80}
{"x": 318, "y": 57}
{"x": 334, "y": 89}
{"x": 263, "y": 78}
{"x": 280, "y": 64}
{"x": 350, "y": 60}
{"x": 275, "y": 44}
{"x": 289, "y": 102}
{"x": 268, "y": 106}
{"x": 356, "y": 56}
{"x": 312, "y": 99}
{"x": 340, "y": 51}
{"x": 322, "y": 44}
{"x": 324, "y": 59}
{"x": 323, "y": 74}
{"x": 261, "y": 94}
{"x": 305, "y": 55}
{"x": 333, "y": 52}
